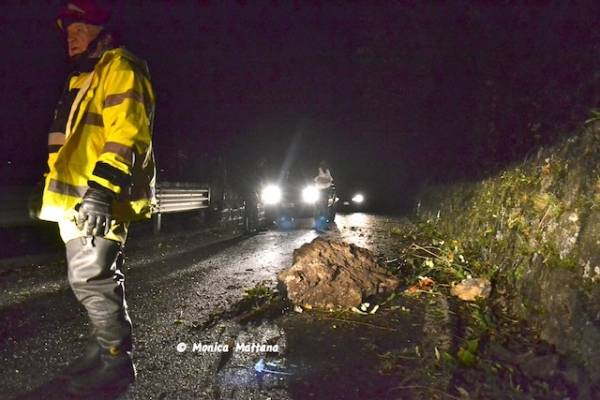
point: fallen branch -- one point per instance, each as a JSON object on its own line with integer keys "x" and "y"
{"x": 361, "y": 323}
{"x": 417, "y": 247}
{"x": 400, "y": 357}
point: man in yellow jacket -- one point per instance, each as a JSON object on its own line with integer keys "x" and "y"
{"x": 101, "y": 177}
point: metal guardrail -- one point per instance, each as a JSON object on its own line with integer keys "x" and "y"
{"x": 177, "y": 197}
{"x": 174, "y": 200}
{"x": 172, "y": 197}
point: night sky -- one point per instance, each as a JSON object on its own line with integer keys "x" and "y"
{"x": 392, "y": 94}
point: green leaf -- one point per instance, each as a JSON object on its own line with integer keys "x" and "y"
{"x": 472, "y": 345}
{"x": 448, "y": 357}
{"x": 466, "y": 358}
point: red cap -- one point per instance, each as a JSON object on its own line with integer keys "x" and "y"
{"x": 86, "y": 11}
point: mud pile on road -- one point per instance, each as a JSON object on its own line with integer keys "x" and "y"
{"x": 334, "y": 274}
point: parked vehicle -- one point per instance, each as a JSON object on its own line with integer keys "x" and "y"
{"x": 352, "y": 202}
{"x": 296, "y": 196}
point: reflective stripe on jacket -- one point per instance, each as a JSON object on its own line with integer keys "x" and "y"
{"x": 108, "y": 140}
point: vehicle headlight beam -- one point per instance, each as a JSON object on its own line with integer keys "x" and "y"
{"x": 271, "y": 195}
{"x": 358, "y": 198}
{"x": 310, "y": 194}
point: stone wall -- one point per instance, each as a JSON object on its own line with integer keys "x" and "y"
{"x": 536, "y": 231}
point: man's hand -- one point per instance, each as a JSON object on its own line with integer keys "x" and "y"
{"x": 95, "y": 212}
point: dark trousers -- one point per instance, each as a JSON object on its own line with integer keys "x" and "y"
{"x": 95, "y": 276}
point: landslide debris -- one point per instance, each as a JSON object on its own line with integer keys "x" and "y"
{"x": 334, "y": 274}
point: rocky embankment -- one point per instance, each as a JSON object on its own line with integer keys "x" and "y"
{"x": 535, "y": 231}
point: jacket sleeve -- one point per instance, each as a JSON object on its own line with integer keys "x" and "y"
{"x": 127, "y": 117}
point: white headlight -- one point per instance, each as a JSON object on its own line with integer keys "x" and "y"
{"x": 358, "y": 198}
{"x": 310, "y": 194}
{"x": 271, "y": 195}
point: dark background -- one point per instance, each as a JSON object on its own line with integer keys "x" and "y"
{"x": 392, "y": 94}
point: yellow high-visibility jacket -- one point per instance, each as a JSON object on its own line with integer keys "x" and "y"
{"x": 108, "y": 141}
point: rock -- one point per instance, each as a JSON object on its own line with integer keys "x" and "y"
{"x": 331, "y": 274}
{"x": 471, "y": 289}
{"x": 425, "y": 284}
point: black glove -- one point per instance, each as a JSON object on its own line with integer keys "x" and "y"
{"x": 95, "y": 212}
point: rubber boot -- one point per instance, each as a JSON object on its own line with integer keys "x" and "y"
{"x": 96, "y": 280}
{"x": 88, "y": 360}
{"x": 112, "y": 375}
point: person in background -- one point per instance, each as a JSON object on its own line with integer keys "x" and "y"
{"x": 101, "y": 177}
{"x": 323, "y": 182}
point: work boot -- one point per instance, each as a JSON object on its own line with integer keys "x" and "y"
{"x": 85, "y": 362}
{"x": 112, "y": 375}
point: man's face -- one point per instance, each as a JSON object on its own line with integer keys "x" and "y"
{"x": 79, "y": 36}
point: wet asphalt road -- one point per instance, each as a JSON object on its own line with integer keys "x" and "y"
{"x": 174, "y": 285}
